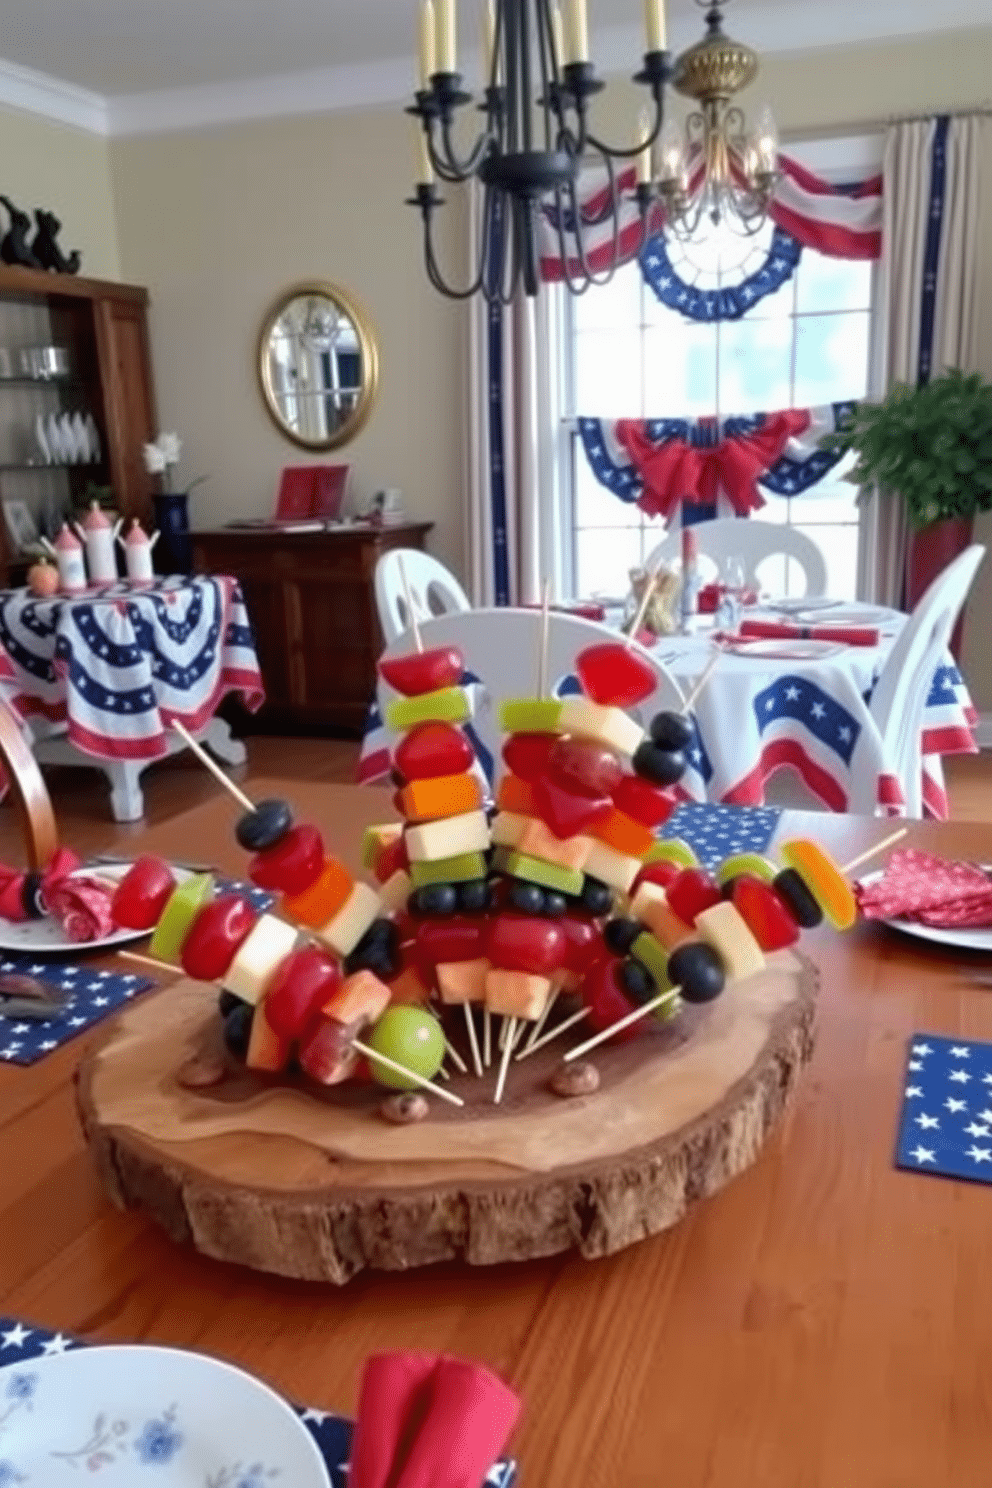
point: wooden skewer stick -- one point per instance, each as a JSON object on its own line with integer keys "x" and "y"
{"x": 214, "y": 769}
{"x": 443, "y": 1074}
{"x": 542, "y": 655}
{"x": 538, "y": 1027}
{"x": 473, "y": 1042}
{"x": 711, "y": 667}
{"x": 870, "y": 852}
{"x": 553, "y": 1033}
{"x": 622, "y": 1023}
{"x": 411, "y": 612}
{"x": 511, "y": 1038}
{"x": 455, "y": 1057}
{"x": 487, "y": 1037}
{"x": 152, "y": 961}
{"x": 650, "y": 584}
{"x": 401, "y": 1069}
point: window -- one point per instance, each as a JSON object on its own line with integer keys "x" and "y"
{"x": 631, "y": 356}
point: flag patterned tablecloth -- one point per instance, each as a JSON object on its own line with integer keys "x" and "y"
{"x": 757, "y": 714}
{"x": 20, "y": 1344}
{"x": 946, "y": 1124}
{"x": 116, "y": 666}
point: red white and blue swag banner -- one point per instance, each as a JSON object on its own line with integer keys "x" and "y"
{"x": 841, "y": 221}
{"x": 659, "y": 464}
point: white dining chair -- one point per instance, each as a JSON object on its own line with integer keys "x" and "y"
{"x": 434, "y": 590}
{"x": 753, "y": 542}
{"x": 502, "y": 650}
{"x": 900, "y": 693}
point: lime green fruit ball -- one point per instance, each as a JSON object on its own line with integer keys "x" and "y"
{"x": 176, "y": 920}
{"x": 672, "y": 850}
{"x": 413, "y": 1037}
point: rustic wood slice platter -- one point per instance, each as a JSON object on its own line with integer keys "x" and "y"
{"x": 318, "y": 1186}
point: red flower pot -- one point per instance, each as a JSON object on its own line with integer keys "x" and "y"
{"x": 931, "y": 549}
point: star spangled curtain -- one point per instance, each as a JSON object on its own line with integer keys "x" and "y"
{"x": 661, "y": 465}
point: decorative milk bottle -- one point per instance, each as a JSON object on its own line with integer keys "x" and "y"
{"x": 99, "y": 535}
{"x": 69, "y": 556}
{"x": 138, "y": 554}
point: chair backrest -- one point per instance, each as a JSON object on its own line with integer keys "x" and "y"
{"x": 753, "y": 542}
{"x": 434, "y": 590}
{"x": 900, "y": 694}
{"x": 501, "y": 650}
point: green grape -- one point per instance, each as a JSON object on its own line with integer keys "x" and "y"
{"x": 181, "y": 909}
{"x": 672, "y": 850}
{"x": 412, "y": 1037}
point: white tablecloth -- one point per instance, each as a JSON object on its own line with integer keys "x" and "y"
{"x": 757, "y": 714}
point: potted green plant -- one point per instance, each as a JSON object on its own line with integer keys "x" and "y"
{"x": 931, "y": 447}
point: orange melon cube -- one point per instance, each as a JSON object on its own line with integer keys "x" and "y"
{"x": 650, "y": 905}
{"x": 538, "y": 841}
{"x": 359, "y": 999}
{"x": 322, "y": 900}
{"x": 623, "y": 834}
{"x": 517, "y": 796}
{"x": 462, "y": 981}
{"x": 266, "y": 1050}
{"x": 444, "y": 795}
{"x": 409, "y": 987}
{"x": 516, "y": 994}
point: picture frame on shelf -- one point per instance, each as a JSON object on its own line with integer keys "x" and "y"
{"x": 21, "y": 526}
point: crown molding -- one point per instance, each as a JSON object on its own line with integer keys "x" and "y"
{"x": 64, "y": 103}
{"x": 322, "y": 90}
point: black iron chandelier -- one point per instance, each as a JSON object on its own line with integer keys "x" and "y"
{"x": 534, "y": 140}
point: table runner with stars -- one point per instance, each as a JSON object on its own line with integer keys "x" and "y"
{"x": 20, "y": 1344}
{"x": 714, "y": 832}
{"x": 946, "y": 1124}
{"x": 92, "y": 994}
{"x": 117, "y": 665}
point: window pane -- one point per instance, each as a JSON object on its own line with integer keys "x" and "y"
{"x": 604, "y": 557}
{"x": 831, "y": 358}
{"x": 754, "y": 365}
{"x": 679, "y": 369}
{"x": 830, "y": 501}
{"x": 608, "y": 373}
{"x": 839, "y": 546}
{"x": 595, "y": 506}
{"x": 606, "y": 306}
{"x": 832, "y": 283}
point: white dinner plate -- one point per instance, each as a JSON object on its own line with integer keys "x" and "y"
{"x": 963, "y": 938}
{"x": 784, "y": 649}
{"x": 128, "y": 1415}
{"x": 45, "y": 937}
{"x": 849, "y": 614}
{"x": 800, "y": 605}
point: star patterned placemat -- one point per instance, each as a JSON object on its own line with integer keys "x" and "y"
{"x": 714, "y": 832}
{"x": 20, "y": 1344}
{"x": 92, "y": 994}
{"x": 946, "y": 1124}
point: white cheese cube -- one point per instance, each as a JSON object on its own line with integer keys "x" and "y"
{"x": 257, "y": 959}
{"x": 345, "y": 930}
{"x": 611, "y": 727}
{"x": 448, "y": 838}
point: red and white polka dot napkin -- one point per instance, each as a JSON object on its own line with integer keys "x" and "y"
{"x": 932, "y": 891}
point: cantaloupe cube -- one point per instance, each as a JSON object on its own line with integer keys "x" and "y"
{"x": 516, "y": 994}
{"x": 507, "y": 828}
{"x": 611, "y": 727}
{"x": 650, "y": 905}
{"x": 409, "y": 987}
{"x": 360, "y": 998}
{"x": 538, "y": 841}
{"x": 462, "y": 981}
{"x": 266, "y": 1050}
{"x": 449, "y": 838}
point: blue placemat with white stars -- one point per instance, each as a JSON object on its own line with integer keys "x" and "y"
{"x": 91, "y": 994}
{"x": 332, "y": 1434}
{"x": 946, "y": 1124}
{"x": 714, "y": 832}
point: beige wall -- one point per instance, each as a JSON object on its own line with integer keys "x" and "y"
{"x": 217, "y": 224}
{"x": 68, "y": 171}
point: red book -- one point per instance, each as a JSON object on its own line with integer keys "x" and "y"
{"x": 328, "y": 490}
{"x": 296, "y": 489}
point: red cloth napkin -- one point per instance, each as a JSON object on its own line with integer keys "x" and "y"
{"x": 585, "y": 609}
{"x": 12, "y": 882}
{"x": 425, "y": 1421}
{"x": 709, "y": 596}
{"x": 774, "y": 630}
{"x": 917, "y": 886}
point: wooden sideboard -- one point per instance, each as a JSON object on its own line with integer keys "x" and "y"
{"x": 311, "y": 600}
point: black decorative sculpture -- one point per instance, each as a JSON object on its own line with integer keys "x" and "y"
{"x": 14, "y": 248}
{"x": 47, "y": 251}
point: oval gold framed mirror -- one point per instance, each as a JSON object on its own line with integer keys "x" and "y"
{"x": 318, "y": 365}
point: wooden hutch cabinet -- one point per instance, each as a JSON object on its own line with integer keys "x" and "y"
{"x": 72, "y": 346}
{"x": 312, "y": 606}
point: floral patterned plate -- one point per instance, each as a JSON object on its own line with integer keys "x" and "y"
{"x": 123, "y": 1416}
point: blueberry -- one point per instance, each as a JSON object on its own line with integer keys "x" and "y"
{"x": 237, "y": 1029}
{"x": 671, "y": 730}
{"x": 31, "y": 900}
{"x": 621, "y": 934}
{"x": 527, "y": 897}
{"x": 434, "y": 899}
{"x": 473, "y": 896}
{"x": 697, "y": 971}
{"x": 265, "y": 826}
{"x": 799, "y": 900}
{"x": 227, "y": 1002}
{"x": 597, "y": 897}
{"x": 659, "y": 766}
{"x": 555, "y": 905}
{"x": 637, "y": 981}
{"x": 378, "y": 951}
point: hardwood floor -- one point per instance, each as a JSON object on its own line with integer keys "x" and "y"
{"x": 83, "y": 813}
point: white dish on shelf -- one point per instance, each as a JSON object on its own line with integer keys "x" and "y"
{"x": 46, "y": 937}
{"x": 53, "y": 434}
{"x": 81, "y": 438}
{"x": 127, "y": 1413}
{"x": 962, "y": 937}
{"x": 93, "y": 438}
{"x": 41, "y": 439}
{"x": 70, "y": 450}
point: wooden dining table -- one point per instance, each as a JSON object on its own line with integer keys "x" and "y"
{"x": 822, "y": 1320}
